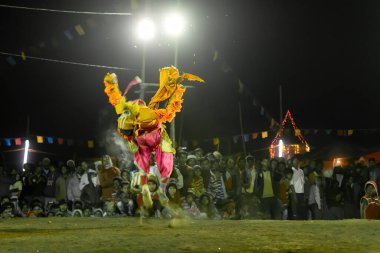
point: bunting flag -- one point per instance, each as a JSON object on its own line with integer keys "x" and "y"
{"x": 235, "y": 138}
{"x": 340, "y": 132}
{"x": 8, "y": 142}
{"x": 246, "y": 137}
{"x": 50, "y": 140}
{"x": 316, "y": 131}
{"x": 264, "y": 134}
{"x": 40, "y": 139}
{"x": 254, "y": 136}
{"x": 60, "y": 141}
{"x": 18, "y": 141}
{"x": 297, "y": 132}
{"x": 350, "y": 132}
{"x": 79, "y": 30}
{"x": 215, "y": 141}
{"x": 328, "y": 131}
{"x": 90, "y": 144}
{"x": 23, "y": 55}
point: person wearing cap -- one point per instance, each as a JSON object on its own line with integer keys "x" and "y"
{"x": 85, "y": 178}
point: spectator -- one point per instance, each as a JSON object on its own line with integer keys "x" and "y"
{"x": 51, "y": 178}
{"x": 370, "y": 204}
{"x": 265, "y": 191}
{"x": 5, "y": 182}
{"x": 61, "y": 184}
{"x": 16, "y": 187}
{"x": 314, "y": 199}
{"x": 373, "y": 171}
{"x": 37, "y": 184}
{"x": 91, "y": 192}
{"x": 73, "y": 190}
{"x": 197, "y": 182}
{"x": 207, "y": 206}
{"x": 298, "y": 182}
{"x": 106, "y": 175}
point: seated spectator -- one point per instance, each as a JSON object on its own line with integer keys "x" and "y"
{"x": 370, "y": 204}
{"x": 63, "y": 209}
{"x": 7, "y": 210}
{"x": 36, "y": 211}
{"x": 196, "y": 183}
{"x": 77, "y": 213}
{"x": 87, "y": 211}
{"x": 207, "y": 206}
{"x": 124, "y": 199}
{"x": 153, "y": 207}
{"x": 190, "y": 208}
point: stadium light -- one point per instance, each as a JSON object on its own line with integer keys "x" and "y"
{"x": 146, "y": 29}
{"x": 26, "y": 152}
{"x": 174, "y": 24}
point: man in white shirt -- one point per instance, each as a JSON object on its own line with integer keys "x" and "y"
{"x": 298, "y": 182}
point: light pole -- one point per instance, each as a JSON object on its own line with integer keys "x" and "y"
{"x": 145, "y": 32}
{"x": 174, "y": 25}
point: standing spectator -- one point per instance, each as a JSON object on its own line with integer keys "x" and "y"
{"x": 91, "y": 192}
{"x": 185, "y": 170}
{"x": 73, "y": 190}
{"x": 51, "y": 178}
{"x": 314, "y": 199}
{"x": 16, "y": 187}
{"x": 298, "y": 182}
{"x": 37, "y": 184}
{"x": 106, "y": 175}
{"x": 335, "y": 201}
{"x": 206, "y": 171}
{"x": 61, "y": 184}
{"x": 370, "y": 204}
{"x": 265, "y": 191}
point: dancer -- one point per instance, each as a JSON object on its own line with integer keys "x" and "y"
{"x": 142, "y": 126}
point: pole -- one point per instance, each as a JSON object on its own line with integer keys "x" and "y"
{"x": 172, "y": 124}
{"x": 241, "y": 130}
{"x": 142, "y": 90}
{"x": 280, "y": 103}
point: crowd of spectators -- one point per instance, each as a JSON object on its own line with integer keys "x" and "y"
{"x": 201, "y": 186}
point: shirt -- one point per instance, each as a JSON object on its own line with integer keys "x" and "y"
{"x": 268, "y": 189}
{"x": 298, "y": 180}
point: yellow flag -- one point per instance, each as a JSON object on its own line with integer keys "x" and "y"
{"x": 90, "y": 144}
{"x": 23, "y": 56}
{"x": 79, "y": 30}
{"x": 350, "y": 132}
{"x": 40, "y": 139}
{"x": 297, "y": 132}
{"x": 216, "y": 141}
{"x": 264, "y": 134}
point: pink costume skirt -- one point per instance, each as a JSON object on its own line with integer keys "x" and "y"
{"x": 150, "y": 142}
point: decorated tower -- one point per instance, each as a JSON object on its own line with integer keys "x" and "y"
{"x": 285, "y": 146}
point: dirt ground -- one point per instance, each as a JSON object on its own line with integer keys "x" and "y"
{"x": 127, "y": 234}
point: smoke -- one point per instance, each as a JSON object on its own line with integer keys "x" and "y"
{"x": 114, "y": 144}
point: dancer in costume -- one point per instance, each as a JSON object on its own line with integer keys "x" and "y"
{"x": 142, "y": 126}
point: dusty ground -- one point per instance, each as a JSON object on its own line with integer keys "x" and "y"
{"x": 153, "y": 235}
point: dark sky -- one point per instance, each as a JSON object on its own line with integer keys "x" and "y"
{"x": 325, "y": 54}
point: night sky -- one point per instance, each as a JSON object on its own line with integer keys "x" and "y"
{"x": 324, "y": 54}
